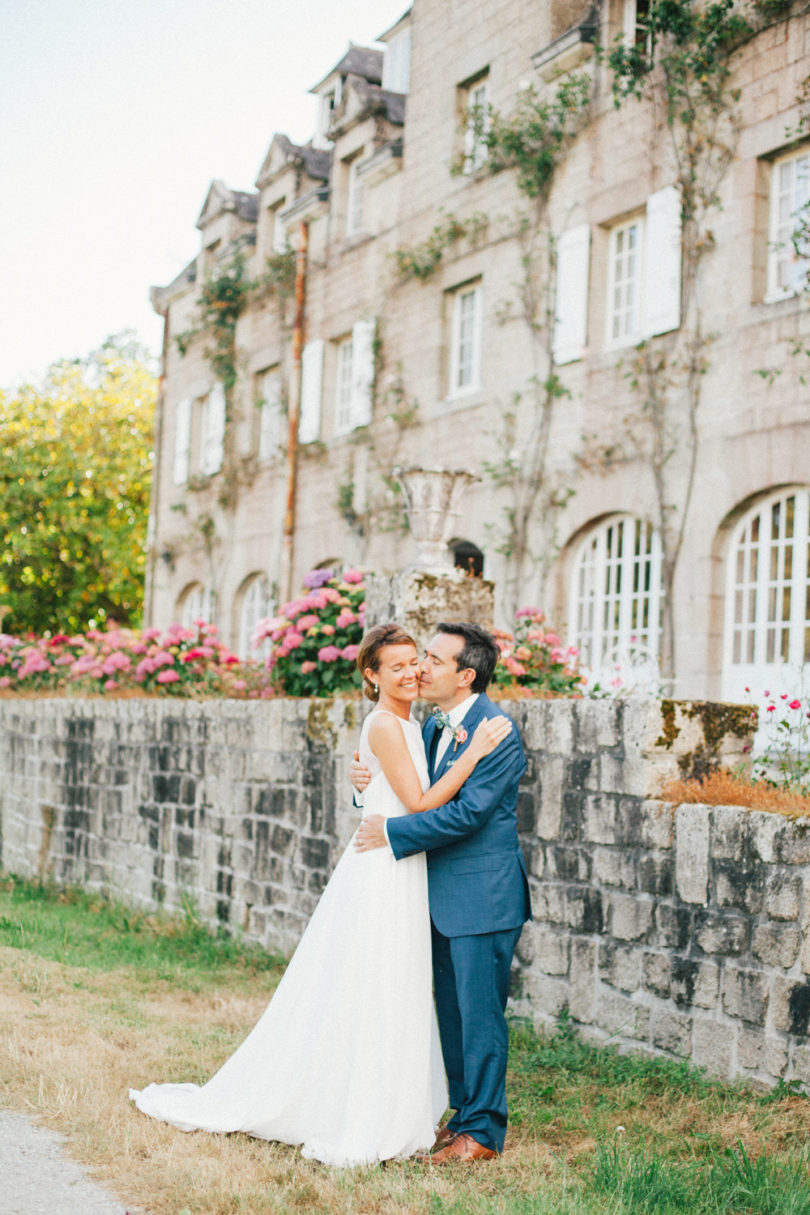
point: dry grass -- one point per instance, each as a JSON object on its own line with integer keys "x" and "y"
{"x": 723, "y": 788}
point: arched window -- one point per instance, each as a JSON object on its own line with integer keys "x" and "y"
{"x": 615, "y": 601}
{"x": 468, "y": 557}
{"x": 196, "y": 602}
{"x": 254, "y": 606}
{"x": 767, "y": 632}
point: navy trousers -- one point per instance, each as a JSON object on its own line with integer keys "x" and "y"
{"x": 471, "y": 984}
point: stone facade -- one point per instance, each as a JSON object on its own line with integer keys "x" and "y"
{"x": 677, "y": 930}
{"x": 382, "y": 181}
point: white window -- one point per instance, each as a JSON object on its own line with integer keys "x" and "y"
{"x": 790, "y": 194}
{"x": 767, "y": 633}
{"x": 280, "y": 243}
{"x": 343, "y": 387}
{"x": 396, "y": 75}
{"x": 644, "y": 272}
{"x": 354, "y": 200}
{"x": 196, "y": 603}
{"x": 270, "y": 414}
{"x": 182, "y": 441}
{"x": 465, "y": 340}
{"x": 625, "y": 283}
{"x": 615, "y": 604}
{"x": 476, "y": 107}
{"x": 309, "y": 421}
{"x": 354, "y": 378}
{"x": 213, "y": 430}
{"x": 635, "y": 23}
{"x": 254, "y": 607}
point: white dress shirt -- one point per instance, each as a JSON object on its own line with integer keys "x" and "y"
{"x": 456, "y": 715}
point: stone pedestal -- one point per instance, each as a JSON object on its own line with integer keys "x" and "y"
{"x": 418, "y": 599}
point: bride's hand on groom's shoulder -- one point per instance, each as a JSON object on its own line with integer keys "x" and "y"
{"x": 490, "y": 732}
{"x": 359, "y": 775}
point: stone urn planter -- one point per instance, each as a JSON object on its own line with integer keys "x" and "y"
{"x": 433, "y": 502}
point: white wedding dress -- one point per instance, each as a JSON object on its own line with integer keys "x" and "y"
{"x": 346, "y": 1059}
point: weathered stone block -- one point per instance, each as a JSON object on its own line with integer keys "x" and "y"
{"x": 767, "y": 834}
{"x": 584, "y": 909}
{"x": 549, "y": 810}
{"x": 570, "y": 863}
{"x": 739, "y": 886}
{"x": 545, "y": 948}
{"x": 599, "y": 818}
{"x": 629, "y": 918}
{"x": 620, "y": 1016}
{"x": 695, "y": 982}
{"x": 776, "y": 944}
{"x": 656, "y": 875}
{"x": 692, "y": 831}
{"x": 791, "y": 1006}
{"x": 721, "y": 934}
{"x": 655, "y": 973}
{"x": 672, "y": 926}
{"x": 783, "y": 892}
{"x": 730, "y": 833}
{"x": 745, "y": 994}
{"x": 583, "y": 980}
{"x": 597, "y": 725}
{"x": 620, "y": 966}
{"x": 549, "y": 903}
{"x": 800, "y": 1066}
{"x": 759, "y": 1052}
{"x": 671, "y": 1031}
{"x": 614, "y": 867}
{"x": 713, "y": 1046}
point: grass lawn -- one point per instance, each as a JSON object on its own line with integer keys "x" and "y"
{"x": 95, "y": 998}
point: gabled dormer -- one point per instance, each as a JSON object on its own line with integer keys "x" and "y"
{"x": 363, "y": 62}
{"x": 290, "y": 174}
{"x": 227, "y": 217}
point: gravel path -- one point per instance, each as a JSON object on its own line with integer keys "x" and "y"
{"x": 37, "y": 1178}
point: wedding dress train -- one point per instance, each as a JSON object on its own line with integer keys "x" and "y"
{"x": 346, "y": 1059}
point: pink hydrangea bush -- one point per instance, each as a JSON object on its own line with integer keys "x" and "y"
{"x": 534, "y": 661}
{"x": 315, "y": 638}
{"x": 177, "y": 662}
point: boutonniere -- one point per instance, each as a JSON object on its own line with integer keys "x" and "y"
{"x": 459, "y": 735}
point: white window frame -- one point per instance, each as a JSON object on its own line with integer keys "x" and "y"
{"x": 182, "y": 441}
{"x": 476, "y": 98}
{"x": 279, "y": 242}
{"x": 615, "y": 602}
{"x": 344, "y": 353}
{"x": 212, "y": 446}
{"x": 632, "y": 332}
{"x": 787, "y": 200}
{"x": 269, "y": 413}
{"x": 197, "y": 602}
{"x": 355, "y": 198}
{"x": 465, "y": 332}
{"x": 634, "y": 28}
{"x": 766, "y": 645}
{"x": 254, "y": 606}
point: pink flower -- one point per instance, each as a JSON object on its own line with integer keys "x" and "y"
{"x": 345, "y": 619}
{"x": 795, "y": 704}
{"x": 168, "y": 677}
{"x": 200, "y": 623}
{"x": 239, "y": 685}
{"x": 329, "y": 653}
{"x": 353, "y": 575}
{"x": 162, "y": 659}
{"x": 770, "y": 708}
{"x": 328, "y": 630}
{"x": 783, "y": 696}
{"x": 308, "y": 666}
{"x": 116, "y": 662}
{"x": 330, "y": 595}
{"x": 748, "y": 689}
{"x": 767, "y": 693}
{"x": 110, "y": 685}
{"x": 350, "y": 652}
{"x": 306, "y": 622}
{"x": 5, "y": 682}
{"x": 150, "y": 634}
{"x": 145, "y": 667}
{"x": 293, "y": 640}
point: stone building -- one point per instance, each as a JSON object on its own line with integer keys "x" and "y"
{"x": 623, "y": 370}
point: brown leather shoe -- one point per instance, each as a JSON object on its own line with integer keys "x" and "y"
{"x": 444, "y": 1137}
{"x": 462, "y": 1148}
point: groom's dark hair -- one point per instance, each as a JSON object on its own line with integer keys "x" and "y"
{"x": 480, "y": 651}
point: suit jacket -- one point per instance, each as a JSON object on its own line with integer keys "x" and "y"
{"x": 477, "y": 879}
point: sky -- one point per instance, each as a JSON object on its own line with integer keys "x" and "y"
{"x": 115, "y": 116}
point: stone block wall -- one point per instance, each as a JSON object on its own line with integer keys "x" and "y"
{"x": 678, "y": 930}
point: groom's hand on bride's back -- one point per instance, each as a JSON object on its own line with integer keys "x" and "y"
{"x": 359, "y": 775}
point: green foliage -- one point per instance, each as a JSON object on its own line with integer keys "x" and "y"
{"x": 538, "y": 132}
{"x": 224, "y": 296}
{"x": 533, "y": 660}
{"x": 423, "y": 260}
{"x": 279, "y": 275}
{"x": 75, "y": 476}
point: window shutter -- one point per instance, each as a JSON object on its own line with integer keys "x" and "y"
{"x": 182, "y": 441}
{"x": 214, "y": 437}
{"x": 571, "y": 320}
{"x": 309, "y": 422}
{"x": 662, "y": 262}
{"x": 362, "y": 372}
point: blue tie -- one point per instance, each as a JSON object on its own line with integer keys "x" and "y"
{"x": 442, "y": 719}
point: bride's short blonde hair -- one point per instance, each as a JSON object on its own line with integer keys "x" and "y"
{"x": 370, "y": 653}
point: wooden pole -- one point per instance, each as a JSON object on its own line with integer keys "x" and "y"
{"x": 294, "y": 412}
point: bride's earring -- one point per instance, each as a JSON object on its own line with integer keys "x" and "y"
{"x": 376, "y": 689}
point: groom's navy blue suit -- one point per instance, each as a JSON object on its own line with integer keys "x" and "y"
{"x": 479, "y": 901}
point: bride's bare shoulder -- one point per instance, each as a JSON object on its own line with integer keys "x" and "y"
{"x": 384, "y": 726}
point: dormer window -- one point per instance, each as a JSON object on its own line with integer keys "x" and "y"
{"x": 397, "y": 63}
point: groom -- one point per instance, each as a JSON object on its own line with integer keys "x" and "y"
{"x": 478, "y": 889}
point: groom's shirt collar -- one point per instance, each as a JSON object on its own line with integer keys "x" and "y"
{"x": 459, "y": 711}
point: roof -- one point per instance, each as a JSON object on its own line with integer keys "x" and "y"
{"x": 363, "y": 61}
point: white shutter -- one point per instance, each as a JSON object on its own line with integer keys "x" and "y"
{"x": 362, "y": 371}
{"x": 182, "y": 441}
{"x": 662, "y": 263}
{"x": 571, "y": 319}
{"x": 309, "y": 422}
{"x": 214, "y": 432}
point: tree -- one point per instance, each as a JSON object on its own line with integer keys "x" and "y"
{"x": 75, "y": 475}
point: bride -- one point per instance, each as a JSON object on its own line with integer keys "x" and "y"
{"x": 346, "y": 1059}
